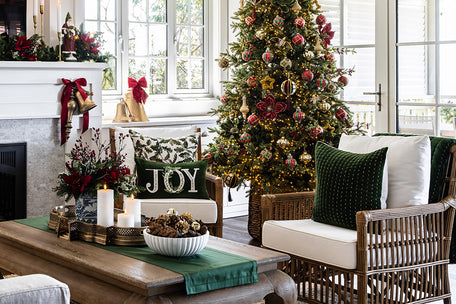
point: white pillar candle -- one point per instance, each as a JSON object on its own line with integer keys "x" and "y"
{"x": 125, "y": 220}
{"x": 133, "y": 207}
{"x": 105, "y": 207}
{"x": 59, "y": 16}
{"x": 35, "y": 7}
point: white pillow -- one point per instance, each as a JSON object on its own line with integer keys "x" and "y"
{"x": 409, "y": 165}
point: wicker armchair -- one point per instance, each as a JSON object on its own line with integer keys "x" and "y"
{"x": 402, "y": 254}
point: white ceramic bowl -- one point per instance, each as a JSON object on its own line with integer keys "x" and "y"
{"x": 176, "y": 247}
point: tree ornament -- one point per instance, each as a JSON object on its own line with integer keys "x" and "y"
{"x": 283, "y": 142}
{"x": 234, "y": 130}
{"x": 265, "y": 154}
{"x": 315, "y": 132}
{"x": 320, "y": 20}
{"x": 298, "y": 115}
{"x": 253, "y": 119}
{"x": 249, "y": 20}
{"x": 224, "y": 63}
{"x": 296, "y": 7}
{"x": 341, "y": 115}
{"x": 307, "y": 75}
{"x": 209, "y": 158}
{"x": 321, "y": 82}
{"x": 286, "y": 63}
{"x": 267, "y": 83}
{"x": 270, "y": 108}
{"x": 330, "y": 57}
{"x": 299, "y": 22}
{"x": 231, "y": 180}
{"x": 245, "y": 138}
{"x": 331, "y": 87}
{"x": 288, "y": 87}
{"x": 291, "y": 162}
{"x": 246, "y": 55}
{"x": 324, "y": 106}
{"x": 318, "y": 48}
{"x": 305, "y": 157}
{"x": 252, "y": 82}
{"x": 309, "y": 55}
{"x": 298, "y": 39}
{"x": 267, "y": 56}
{"x": 223, "y": 99}
{"x": 244, "y": 109}
{"x": 343, "y": 80}
{"x": 261, "y": 34}
{"x": 278, "y": 21}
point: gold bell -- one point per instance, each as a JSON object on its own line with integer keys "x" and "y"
{"x": 121, "y": 113}
{"x": 84, "y": 105}
{"x": 136, "y": 109}
{"x": 71, "y": 107}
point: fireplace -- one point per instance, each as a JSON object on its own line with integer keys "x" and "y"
{"x": 13, "y": 185}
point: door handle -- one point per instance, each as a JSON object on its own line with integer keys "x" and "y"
{"x": 379, "y": 94}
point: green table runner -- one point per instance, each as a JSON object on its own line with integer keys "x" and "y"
{"x": 210, "y": 269}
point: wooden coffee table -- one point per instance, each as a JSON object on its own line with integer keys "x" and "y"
{"x": 95, "y": 275}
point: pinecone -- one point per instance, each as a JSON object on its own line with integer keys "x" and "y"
{"x": 168, "y": 232}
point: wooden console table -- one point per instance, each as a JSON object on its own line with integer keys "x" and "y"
{"x": 95, "y": 275}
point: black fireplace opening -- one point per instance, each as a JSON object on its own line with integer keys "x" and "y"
{"x": 13, "y": 181}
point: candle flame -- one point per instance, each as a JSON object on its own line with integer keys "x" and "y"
{"x": 105, "y": 186}
{"x": 58, "y": 3}
{"x": 125, "y": 211}
{"x": 132, "y": 196}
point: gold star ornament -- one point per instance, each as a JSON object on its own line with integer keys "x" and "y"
{"x": 267, "y": 83}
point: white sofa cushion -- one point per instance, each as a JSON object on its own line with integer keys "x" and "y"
{"x": 200, "y": 209}
{"x": 33, "y": 289}
{"x": 409, "y": 165}
{"x": 312, "y": 240}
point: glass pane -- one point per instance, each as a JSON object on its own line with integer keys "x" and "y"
{"x": 158, "y": 40}
{"x": 414, "y": 22}
{"x": 109, "y": 75}
{"x": 448, "y": 122}
{"x": 109, "y": 36}
{"x": 364, "y": 114}
{"x": 157, "y": 11}
{"x": 182, "y": 74}
{"x": 332, "y": 14}
{"x": 91, "y": 26}
{"x": 447, "y": 68}
{"x": 197, "y": 41}
{"x": 416, "y": 78}
{"x": 416, "y": 120}
{"x": 363, "y": 80}
{"x": 91, "y": 9}
{"x": 447, "y": 19}
{"x": 360, "y": 22}
{"x": 182, "y": 12}
{"x": 182, "y": 40}
{"x": 137, "y": 67}
{"x": 138, "y": 43}
{"x": 197, "y": 74}
{"x": 197, "y": 12}
{"x": 107, "y": 9}
{"x": 137, "y": 10}
{"x": 158, "y": 72}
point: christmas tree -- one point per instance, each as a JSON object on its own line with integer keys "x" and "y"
{"x": 282, "y": 98}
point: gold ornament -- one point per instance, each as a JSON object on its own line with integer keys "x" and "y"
{"x": 317, "y": 5}
{"x": 296, "y": 6}
{"x": 324, "y": 106}
{"x": 305, "y": 157}
{"x": 244, "y": 108}
{"x": 241, "y": 4}
{"x": 260, "y": 34}
{"x": 267, "y": 83}
{"x": 318, "y": 48}
{"x": 283, "y": 142}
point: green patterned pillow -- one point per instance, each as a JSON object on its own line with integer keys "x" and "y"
{"x": 346, "y": 183}
{"x": 182, "y": 180}
{"x": 166, "y": 150}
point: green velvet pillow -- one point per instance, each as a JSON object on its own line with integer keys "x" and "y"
{"x": 182, "y": 180}
{"x": 346, "y": 183}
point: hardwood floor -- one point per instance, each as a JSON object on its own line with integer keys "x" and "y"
{"x": 235, "y": 229}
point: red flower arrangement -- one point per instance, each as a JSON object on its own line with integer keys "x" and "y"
{"x": 25, "y": 48}
{"x": 270, "y": 108}
{"x": 89, "y": 169}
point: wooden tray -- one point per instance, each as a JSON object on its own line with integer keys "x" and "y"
{"x": 62, "y": 219}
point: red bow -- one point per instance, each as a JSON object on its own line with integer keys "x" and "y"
{"x": 138, "y": 92}
{"x": 64, "y": 101}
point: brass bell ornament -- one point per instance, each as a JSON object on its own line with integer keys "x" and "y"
{"x": 87, "y": 104}
{"x": 121, "y": 112}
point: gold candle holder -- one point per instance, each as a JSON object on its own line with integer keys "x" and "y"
{"x": 41, "y": 14}
{"x": 35, "y": 25}
{"x": 59, "y": 34}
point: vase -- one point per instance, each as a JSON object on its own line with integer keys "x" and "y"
{"x": 86, "y": 208}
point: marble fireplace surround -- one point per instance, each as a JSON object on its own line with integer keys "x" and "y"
{"x": 30, "y": 111}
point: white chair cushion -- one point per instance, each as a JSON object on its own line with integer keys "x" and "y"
{"x": 129, "y": 150}
{"x": 31, "y": 289}
{"x": 409, "y": 165}
{"x": 312, "y": 240}
{"x": 200, "y": 209}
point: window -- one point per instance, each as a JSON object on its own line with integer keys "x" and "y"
{"x": 164, "y": 40}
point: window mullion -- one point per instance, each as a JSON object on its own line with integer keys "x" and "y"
{"x": 437, "y": 67}
{"x": 172, "y": 58}
{"x": 123, "y": 49}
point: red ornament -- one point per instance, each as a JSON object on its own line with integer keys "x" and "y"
{"x": 245, "y": 138}
{"x": 246, "y": 55}
{"x": 224, "y": 63}
{"x": 341, "y": 115}
{"x": 278, "y": 21}
{"x": 315, "y": 132}
{"x": 343, "y": 80}
{"x": 252, "y": 82}
{"x": 308, "y": 75}
{"x": 253, "y": 119}
{"x": 270, "y": 108}
{"x": 291, "y": 162}
{"x": 321, "y": 19}
{"x": 223, "y": 99}
{"x": 267, "y": 56}
{"x": 299, "y": 22}
{"x": 330, "y": 57}
{"x": 321, "y": 82}
{"x": 210, "y": 160}
{"x": 298, "y": 115}
{"x": 298, "y": 39}
{"x": 249, "y": 20}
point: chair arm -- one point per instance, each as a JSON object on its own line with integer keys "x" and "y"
{"x": 403, "y": 237}
{"x": 214, "y": 186}
{"x": 287, "y": 206}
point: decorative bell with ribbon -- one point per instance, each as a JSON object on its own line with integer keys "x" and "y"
{"x": 84, "y": 102}
{"x": 135, "y": 99}
{"x": 121, "y": 112}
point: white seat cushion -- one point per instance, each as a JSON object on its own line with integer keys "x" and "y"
{"x": 35, "y": 288}
{"x": 200, "y": 209}
{"x": 312, "y": 240}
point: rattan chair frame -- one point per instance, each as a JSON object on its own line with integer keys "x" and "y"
{"x": 402, "y": 253}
